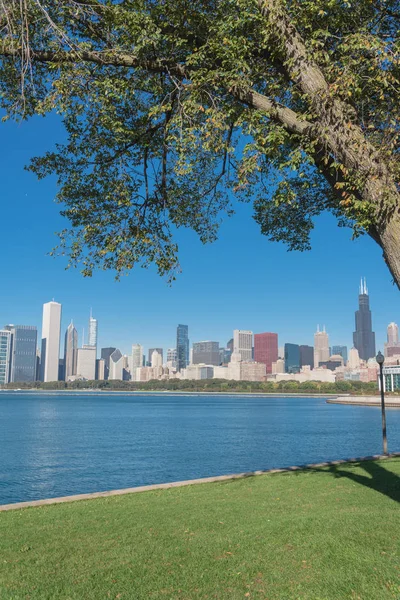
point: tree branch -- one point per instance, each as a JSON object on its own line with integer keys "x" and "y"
{"x": 107, "y": 58}
{"x": 286, "y": 116}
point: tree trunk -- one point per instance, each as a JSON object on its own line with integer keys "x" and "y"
{"x": 389, "y": 235}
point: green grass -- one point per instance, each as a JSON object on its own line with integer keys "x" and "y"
{"x": 316, "y": 535}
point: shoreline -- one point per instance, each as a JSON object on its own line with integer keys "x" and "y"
{"x": 176, "y": 484}
{"x": 330, "y": 398}
{"x": 100, "y": 392}
{"x": 390, "y": 401}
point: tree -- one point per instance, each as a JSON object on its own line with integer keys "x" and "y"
{"x": 343, "y": 386}
{"x": 173, "y": 108}
{"x": 309, "y": 386}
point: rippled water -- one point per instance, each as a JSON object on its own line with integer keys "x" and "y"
{"x": 58, "y": 444}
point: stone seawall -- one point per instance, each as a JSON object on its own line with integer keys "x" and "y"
{"x": 390, "y": 401}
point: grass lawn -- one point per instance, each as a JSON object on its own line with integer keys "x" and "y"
{"x": 330, "y": 533}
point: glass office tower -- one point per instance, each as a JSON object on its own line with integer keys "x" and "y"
{"x": 292, "y": 358}
{"x": 182, "y": 346}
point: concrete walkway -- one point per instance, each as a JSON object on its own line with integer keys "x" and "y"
{"x": 175, "y": 484}
{"x": 390, "y": 401}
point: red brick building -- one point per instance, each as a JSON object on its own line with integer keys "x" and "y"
{"x": 266, "y": 349}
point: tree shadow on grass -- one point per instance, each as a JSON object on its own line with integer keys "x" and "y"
{"x": 377, "y": 477}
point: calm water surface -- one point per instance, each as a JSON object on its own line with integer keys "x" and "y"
{"x": 58, "y": 444}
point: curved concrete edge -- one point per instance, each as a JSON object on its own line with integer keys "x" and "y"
{"x": 176, "y": 484}
{"x": 390, "y": 402}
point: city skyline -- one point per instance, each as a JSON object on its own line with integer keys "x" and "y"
{"x": 92, "y": 336}
{"x": 248, "y": 354}
{"x": 143, "y": 329}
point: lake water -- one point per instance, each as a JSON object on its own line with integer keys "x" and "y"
{"x": 60, "y": 444}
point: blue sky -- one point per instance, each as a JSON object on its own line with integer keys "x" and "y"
{"x": 241, "y": 281}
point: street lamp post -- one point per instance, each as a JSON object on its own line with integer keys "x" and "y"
{"x": 380, "y": 359}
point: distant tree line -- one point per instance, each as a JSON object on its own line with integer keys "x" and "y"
{"x": 207, "y": 385}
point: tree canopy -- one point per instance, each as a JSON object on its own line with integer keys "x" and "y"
{"x": 174, "y": 108}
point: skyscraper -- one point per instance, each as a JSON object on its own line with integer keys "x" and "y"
{"x": 392, "y": 346}
{"x": 266, "y": 349}
{"x": 37, "y": 372}
{"x": 116, "y": 365}
{"x": 105, "y": 355}
{"x": 224, "y": 356}
{"x": 307, "y": 356}
{"x": 92, "y": 331}
{"x": 70, "y": 351}
{"x": 392, "y": 334}
{"x": 156, "y": 359}
{"x": 100, "y": 369}
{"x": 137, "y": 356}
{"x": 50, "y": 354}
{"x": 364, "y": 337}
{"x": 182, "y": 346}
{"x": 86, "y": 362}
{"x": 61, "y": 369}
{"x": 341, "y": 350}
{"x": 243, "y": 344}
{"x": 354, "y": 359}
{"x": 171, "y": 358}
{"x": 321, "y": 347}
{"x": 292, "y": 358}
{"x": 136, "y": 360}
{"x": 206, "y": 353}
{"x": 23, "y": 352}
{"x": 5, "y": 355}
{"x": 151, "y": 350}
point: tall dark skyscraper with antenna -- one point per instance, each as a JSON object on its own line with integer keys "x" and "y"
{"x": 364, "y": 337}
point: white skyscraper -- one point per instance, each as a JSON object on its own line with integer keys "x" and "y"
{"x": 354, "y": 359}
{"x": 392, "y": 334}
{"x": 50, "y": 354}
{"x": 92, "y": 331}
{"x": 243, "y": 344}
{"x": 156, "y": 359}
{"x": 137, "y": 355}
{"x": 86, "y": 363}
{"x": 321, "y": 347}
{"x": 137, "y": 359}
{"x": 392, "y": 346}
{"x": 70, "y": 351}
{"x": 116, "y": 365}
